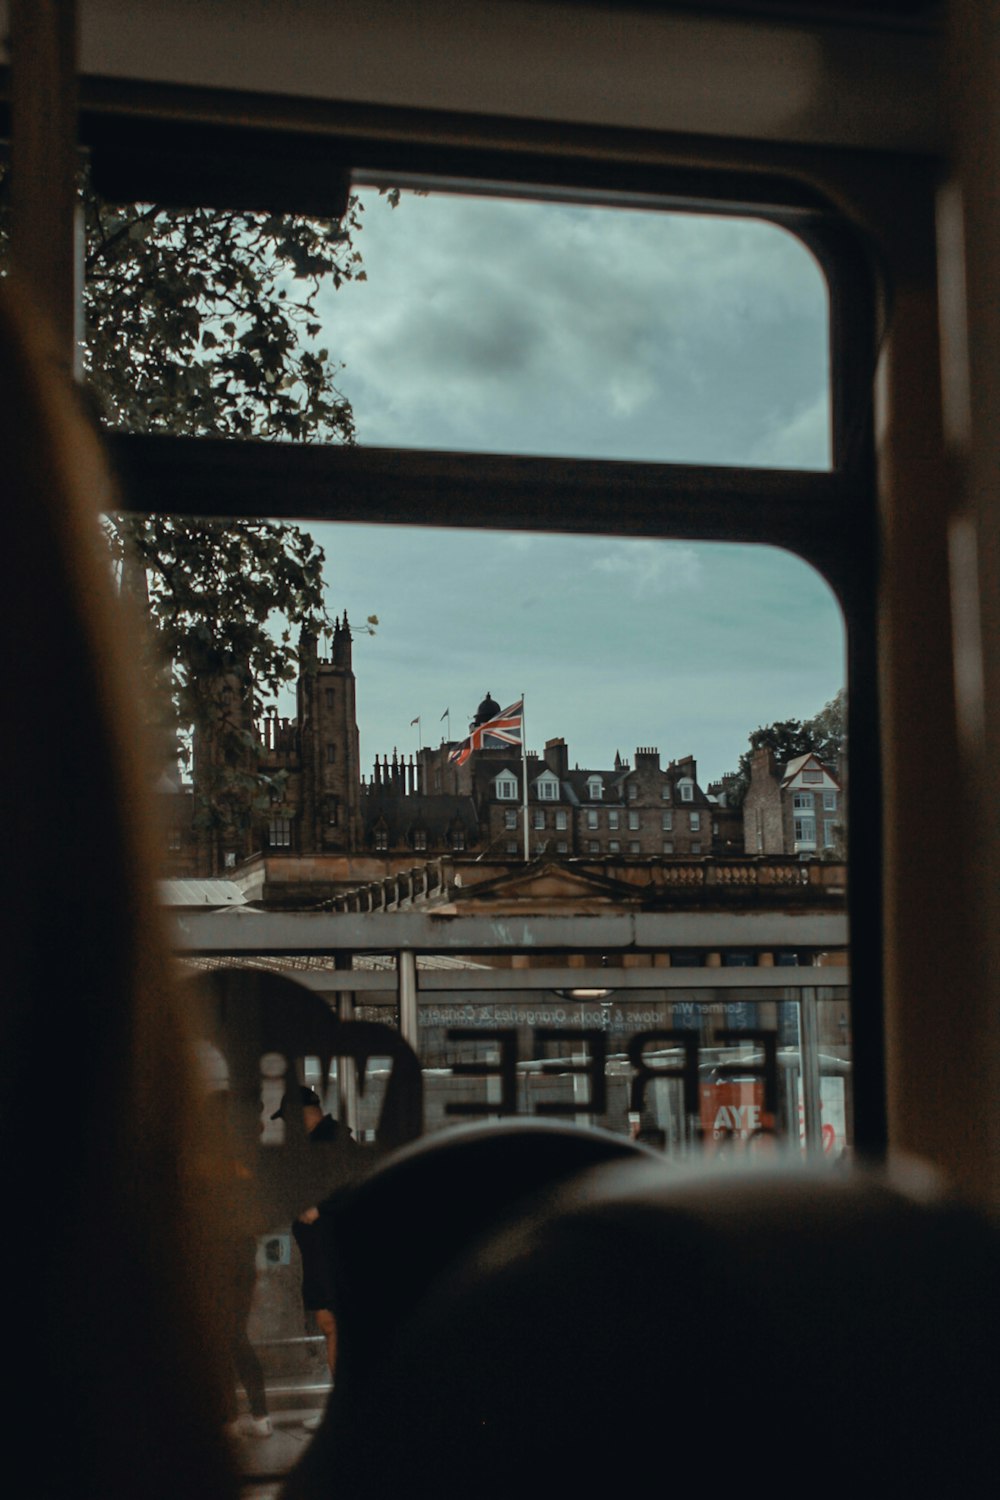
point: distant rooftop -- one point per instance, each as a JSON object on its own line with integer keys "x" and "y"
{"x": 200, "y": 893}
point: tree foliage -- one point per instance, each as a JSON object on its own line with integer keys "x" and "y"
{"x": 207, "y": 323}
{"x": 825, "y": 735}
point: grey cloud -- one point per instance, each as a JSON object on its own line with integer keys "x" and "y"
{"x": 554, "y": 329}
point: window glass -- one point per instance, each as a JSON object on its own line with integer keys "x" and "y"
{"x": 468, "y": 323}
{"x": 539, "y": 329}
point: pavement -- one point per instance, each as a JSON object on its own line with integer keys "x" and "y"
{"x": 264, "y": 1462}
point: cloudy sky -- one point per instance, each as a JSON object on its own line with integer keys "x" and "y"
{"x": 513, "y": 326}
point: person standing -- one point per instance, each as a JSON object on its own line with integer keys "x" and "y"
{"x": 308, "y": 1229}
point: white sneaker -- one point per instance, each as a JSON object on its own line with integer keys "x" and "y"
{"x": 255, "y": 1427}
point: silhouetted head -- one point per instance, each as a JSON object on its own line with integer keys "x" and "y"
{"x": 737, "y": 1327}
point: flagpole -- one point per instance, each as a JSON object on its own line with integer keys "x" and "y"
{"x": 524, "y": 778}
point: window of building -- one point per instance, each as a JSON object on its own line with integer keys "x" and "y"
{"x": 174, "y": 840}
{"x": 331, "y": 753}
{"x": 458, "y": 839}
{"x": 592, "y": 818}
{"x": 667, "y": 822}
{"x": 420, "y": 838}
{"x": 829, "y": 801}
{"x": 694, "y": 822}
{"x": 805, "y": 830}
{"x": 633, "y": 820}
{"x": 695, "y": 848}
{"x": 561, "y": 819}
{"x": 593, "y": 847}
{"x": 686, "y": 789}
{"x": 547, "y": 788}
{"x": 803, "y": 801}
{"x": 668, "y": 847}
{"x": 510, "y": 817}
{"x": 614, "y": 847}
{"x": 279, "y": 833}
{"x": 829, "y": 833}
{"x": 506, "y": 788}
{"x": 665, "y": 791}
{"x": 633, "y": 791}
{"x": 612, "y": 819}
{"x": 562, "y": 847}
{"x": 381, "y": 838}
{"x": 230, "y": 860}
{"x": 595, "y": 788}
{"x": 812, "y": 776}
{"x": 634, "y": 846}
{"x": 512, "y": 846}
{"x": 538, "y": 818}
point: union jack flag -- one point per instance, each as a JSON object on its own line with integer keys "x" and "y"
{"x": 505, "y": 728}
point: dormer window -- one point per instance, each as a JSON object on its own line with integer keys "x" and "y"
{"x": 595, "y": 788}
{"x": 506, "y": 788}
{"x": 686, "y": 789}
{"x": 420, "y": 838}
{"x": 547, "y": 788}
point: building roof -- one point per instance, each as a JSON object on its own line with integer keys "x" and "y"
{"x": 792, "y": 769}
{"x": 401, "y": 812}
{"x": 200, "y": 893}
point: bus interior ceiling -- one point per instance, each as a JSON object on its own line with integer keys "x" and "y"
{"x": 887, "y": 113}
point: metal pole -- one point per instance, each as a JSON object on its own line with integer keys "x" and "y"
{"x": 811, "y": 1095}
{"x": 409, "y": 1028}
{"x": 46, "y": 222}
{"x": 347, "y": 1072}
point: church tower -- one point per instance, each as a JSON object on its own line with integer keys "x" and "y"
{"x": 223, "y": 766}
{"x": 328, "y": 746}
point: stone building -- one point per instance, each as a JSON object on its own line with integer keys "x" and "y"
{"x": 797, "y": 808}
{"x": 316, "y": 805}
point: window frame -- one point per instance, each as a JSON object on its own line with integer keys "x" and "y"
{"x": 826, "y": 518}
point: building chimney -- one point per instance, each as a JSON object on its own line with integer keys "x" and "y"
{"x": 557, "y": 757}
